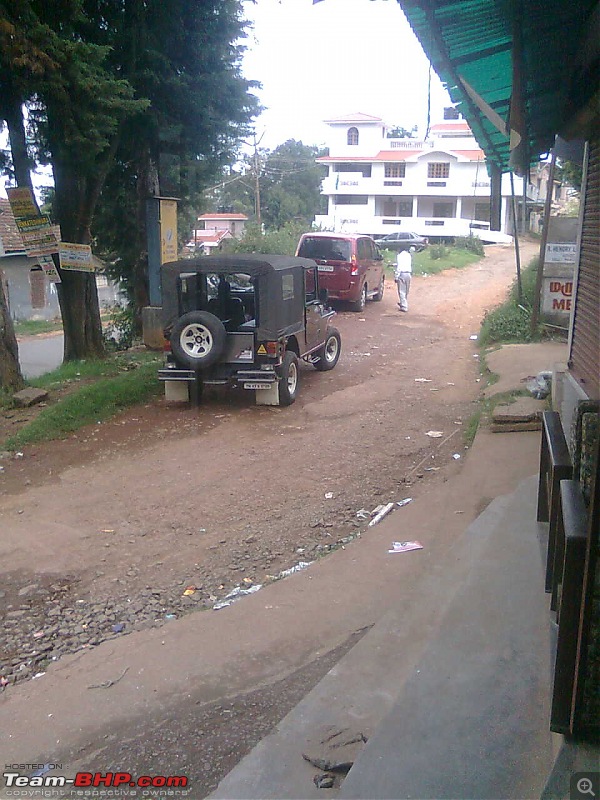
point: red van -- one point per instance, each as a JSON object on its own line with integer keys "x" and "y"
{"x": 351, "y": 267}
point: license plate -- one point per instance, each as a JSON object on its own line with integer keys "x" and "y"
{"x": 257, "y": 386}
{"x": 325, "y": 268}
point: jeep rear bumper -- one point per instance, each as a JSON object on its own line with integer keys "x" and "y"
{"x": 243, "y": 378}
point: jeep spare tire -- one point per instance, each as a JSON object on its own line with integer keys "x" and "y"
{"x": 198, "y": 339}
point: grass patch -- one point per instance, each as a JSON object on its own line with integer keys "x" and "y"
{"x": 92, "y": 369}
{"x": 485, "y": 409}
{"x": 511, "y": 321}
{"x": 32, "y": 327}
{"x": 444, "y": 258}
{"x": 111, "y": 386}
{"x": 472, "y": 427}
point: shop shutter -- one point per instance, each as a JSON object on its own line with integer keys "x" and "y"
{"x": 585, "y": 348}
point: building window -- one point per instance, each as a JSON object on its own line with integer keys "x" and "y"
{"x": 398, "y": 208}
{"x": 438, "y": 170}
{"x": 352, "y": 136}
{"x": 395, "y": 170}
{"x": 482, "y": 211}
{"x": 351, "y": 200}
{"x": 365, "y": 169}
{"x": 443, "y": 209}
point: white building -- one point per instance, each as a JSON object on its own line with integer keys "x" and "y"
{"x": 436, "y": 187}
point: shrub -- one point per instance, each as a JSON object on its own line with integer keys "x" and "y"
{"x": 282, "y": 241}
{"x": 471, "y": 243}
{"x": 119, "y": 333}
{"x": 511, "y": 322}
{"x": 438, "y": 251}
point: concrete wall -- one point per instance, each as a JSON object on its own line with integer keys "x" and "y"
{"x": 32, "y": 296}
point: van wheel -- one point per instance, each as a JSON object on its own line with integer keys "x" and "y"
{"x": 359, "y": 305}
{"x": 290, "y": 374}
{"x": 329, "y": 354}
{"x": 380, "y": 290}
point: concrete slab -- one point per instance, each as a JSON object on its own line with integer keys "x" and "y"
{"x": 473, "y": 719}
{"x": 524, "y": 409}
{"x": 365, "y": 685}
{"x": 515, "y": 362}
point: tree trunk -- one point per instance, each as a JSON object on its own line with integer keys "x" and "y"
{"x": 147, "y": 186}
{"x": 11, "y": 378}
{"x": 77, "y": 292}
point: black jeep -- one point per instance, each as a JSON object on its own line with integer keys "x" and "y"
{"x": 244, "y": 320}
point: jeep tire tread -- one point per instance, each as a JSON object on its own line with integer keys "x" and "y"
{"x": 328, "y": 355}
{"x": 290, "y": 375}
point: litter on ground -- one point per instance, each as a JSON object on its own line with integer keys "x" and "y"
{"x": 381, "y": 514}
{"x": 435, "y": 434}
{"x": 405, "y": 547}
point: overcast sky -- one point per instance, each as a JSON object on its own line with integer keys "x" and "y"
{"x": 322, "y": 61}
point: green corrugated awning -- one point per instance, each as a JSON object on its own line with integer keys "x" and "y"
{"x": 510, "y": 64}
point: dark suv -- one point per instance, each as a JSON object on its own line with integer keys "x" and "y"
{"x": 245, "y": 321}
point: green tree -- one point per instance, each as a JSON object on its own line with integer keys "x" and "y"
{"x": 182, "y": 56}
{"x": 398, "y": 132}
{"x": 76, "y": 109}
{"x": 291, "y": 184}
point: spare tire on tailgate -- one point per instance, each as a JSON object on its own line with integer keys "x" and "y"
{"x": 198, "y": 339}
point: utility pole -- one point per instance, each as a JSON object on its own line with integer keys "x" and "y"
{"x": 256, "y": 160}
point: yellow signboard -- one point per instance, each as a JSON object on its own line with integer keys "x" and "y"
{"x": 22, "y": 203}
{"x": 168, "y": 231}
{"x": 76, "y": 256}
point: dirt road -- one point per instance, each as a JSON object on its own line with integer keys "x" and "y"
{"x": 101, "y": 534}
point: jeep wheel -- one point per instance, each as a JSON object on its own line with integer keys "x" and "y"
{"x": 198, "y": 339}
{"x": 288, "y": 385}
{"x": 329, "y": 354}
{"x": 359, "y": 305}
{"x": 378, "y": 296}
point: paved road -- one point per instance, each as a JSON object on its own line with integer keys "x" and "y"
{"x": 40, "y": 354}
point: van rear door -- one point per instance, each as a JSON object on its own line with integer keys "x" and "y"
{"x": 334, "y": 260}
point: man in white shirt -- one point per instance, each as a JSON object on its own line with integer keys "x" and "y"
{"x": 402, "y": 275}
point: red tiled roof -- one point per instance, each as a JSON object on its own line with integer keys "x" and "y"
{"x": 473, "y": 155}
{"x": 458, "y": 125}
{"x": 223, "y": 216}
{"x": 356, "y": 117}
{"x": 397, "y": 155}
{"x": 9, "y": 233}
{"x": 204, "y": 237}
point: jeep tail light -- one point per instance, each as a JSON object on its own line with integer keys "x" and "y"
{"x": 271, "y": 348}
{"x": 167, "y": 346}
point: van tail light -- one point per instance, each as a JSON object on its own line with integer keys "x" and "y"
{"x": 354, "y": 267}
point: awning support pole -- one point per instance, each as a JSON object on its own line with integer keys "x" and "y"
{"x": 516, "y": 233}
